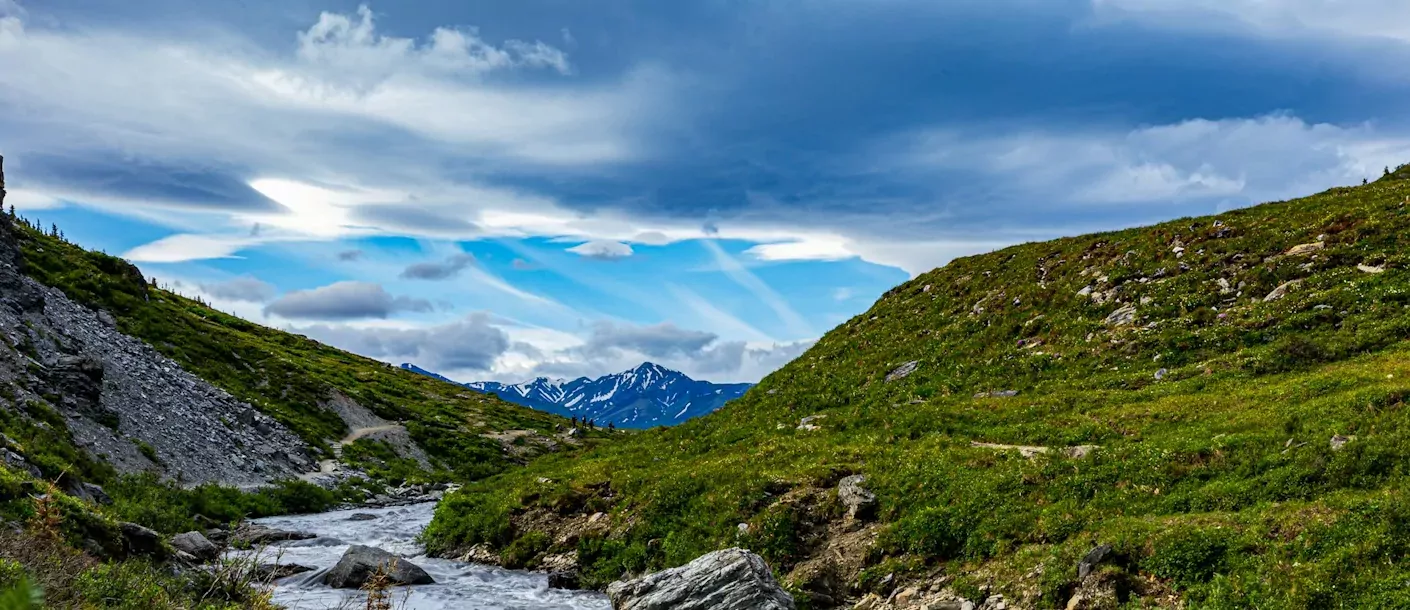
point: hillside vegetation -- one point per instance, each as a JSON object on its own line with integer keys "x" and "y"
{"x": 287, "y": 376}
{"x": 1180, "y": 387}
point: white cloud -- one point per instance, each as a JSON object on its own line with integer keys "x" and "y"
{"x": 1345, "y": 18}
{"x": 24, "y": 199}
{"x": 185, "y": 247}
{"x": 820, "y": 249}
{"x": 602, "y": 249}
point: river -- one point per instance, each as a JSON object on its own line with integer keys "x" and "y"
{"x": 458, "y": 585}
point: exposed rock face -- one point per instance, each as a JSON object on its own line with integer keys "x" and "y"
{"x": 732, "y": 579}
{"x": 196, "y": 545}
{"x": 860, "y": 502}
{"x": 360, "y": 562}
{"x": 122, "y": 400}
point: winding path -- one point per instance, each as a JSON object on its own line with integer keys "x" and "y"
{"x": 330, "y": 466}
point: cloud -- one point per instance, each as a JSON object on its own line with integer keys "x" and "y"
{"x": 1388, "y": 19}
{"x": 443, "y": 270}
{"x": 350, "y": 255}
{"x": 245, "y": 289}
{"x": 520, "y": 264}
{"x": 343, "y": 301}
{"x": 602, "y": 250}
{"x": 620, "y": 346}
{"x": 470, "y": 344}
{"x": 768, "y": 296}
{"x": 657, "y": 341}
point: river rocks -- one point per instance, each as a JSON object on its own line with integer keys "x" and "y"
{"x": 731, "y": 579}
{"x": 860, "y": 502}
{"x": 360, "y": 562}
{"x": 196, "y": 544}
{"x": 564, "y": 579}
{"x": 1340, "y": 441}
{"x": 362, "y": 517}
{"x": 252, "y": 534}
{"x": 138, "y": 540}
{"x": 268, "y": 572}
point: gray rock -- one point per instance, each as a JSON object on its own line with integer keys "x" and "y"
{"x": 359, "y": 563}
{"x": 731, "y": 579}
{"x": 903, "y": 371}
{"x": 1160, "y": 374}
{"x": 860, "y": 502}
{"x": 1122, "y": 316}
{"x": 1281, "y": 291}
{"x": 274, "y": 571}
{"x": 196, "y": 544}
{"x": 138, "y": 540}
{"x": 255, "y": 535}
{"x": 1340, "y": 441}
{"x": 564, "y": 579}
{"x": 1091, "y": 559}
{"x": 362, "y": 517}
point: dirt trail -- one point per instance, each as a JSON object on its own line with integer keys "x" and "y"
{"x": 330, "y": 466}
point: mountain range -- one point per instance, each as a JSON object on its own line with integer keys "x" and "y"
{"x": 646, "y": 396}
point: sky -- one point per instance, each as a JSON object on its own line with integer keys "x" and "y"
{"x": 504, "y": 190}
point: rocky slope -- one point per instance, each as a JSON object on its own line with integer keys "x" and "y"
{"x": 122, "y": 401}
{"x": 1209, "y": 412}
{"x": 141, "y": 379}
{"x": 646, "y": 396}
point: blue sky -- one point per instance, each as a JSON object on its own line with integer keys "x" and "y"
{"x": 498, "y": 190}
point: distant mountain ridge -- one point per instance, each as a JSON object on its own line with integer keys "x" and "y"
{"x": 646, "y": 396}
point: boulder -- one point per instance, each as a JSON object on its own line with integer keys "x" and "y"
{"x": 1340, "y": 441}
{"x": 196, "y": 544}
{"x": 1122, "y": 316}
{"x": 1281, "y": 291}
{"x": 359, "y": 563}
{"x": 731, "y": 579}
{"x": 860, "y": 502}
{"x": 362, "y": 517}
{"x": 255, "y": 535}
{"x": 138, "y": 540}
{"x": 564, "y": 579}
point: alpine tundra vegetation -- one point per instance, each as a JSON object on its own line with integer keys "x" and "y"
{"x": 1209, "y": 412}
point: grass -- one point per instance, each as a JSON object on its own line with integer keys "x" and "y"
{"x": 1212, "y": 407}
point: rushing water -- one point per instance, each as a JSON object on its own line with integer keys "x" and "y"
{"x": 458, "y": 585}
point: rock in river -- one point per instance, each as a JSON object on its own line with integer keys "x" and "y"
{"x": 731, "y": 579}
{"x": 360, "y": 562}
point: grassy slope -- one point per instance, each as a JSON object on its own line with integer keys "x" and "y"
{"x": 284, "y": 375}
{"x": 1192, "y": 485}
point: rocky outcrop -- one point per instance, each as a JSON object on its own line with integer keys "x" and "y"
{"x": 359, "y": 563}
{"x": 195, "y": 544}
{"x": 140, "y": 541}
{"x": 731, "y": 579}
{"x": 860, "y": 501}
{"x": 122, "y": 400}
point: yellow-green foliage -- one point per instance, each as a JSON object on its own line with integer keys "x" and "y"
{"x": 1217, "y": 478}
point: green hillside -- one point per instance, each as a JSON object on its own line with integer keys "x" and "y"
{"x": 287, "y": 376}
{"x": 1211, "y": 360}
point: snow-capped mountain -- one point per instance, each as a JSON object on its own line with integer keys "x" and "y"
{"x": 646, "y": 396}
